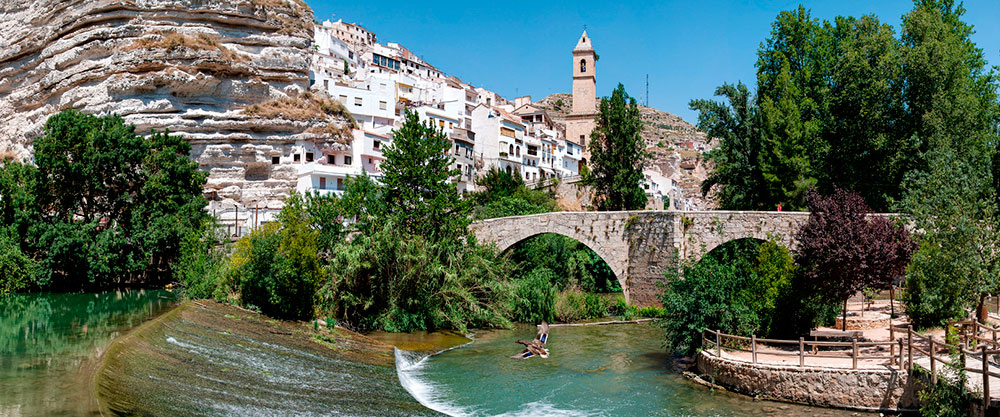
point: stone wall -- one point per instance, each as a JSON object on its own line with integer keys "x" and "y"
{"x": 190, "y": 66}
{"x": 885, "y": 389}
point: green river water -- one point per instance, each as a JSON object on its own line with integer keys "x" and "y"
{"x": 611, "y": 370}
{"x": 210, "y": 359}
{"x": 49, "y": 345}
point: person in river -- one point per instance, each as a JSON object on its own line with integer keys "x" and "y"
{"x": 535, "y": 347}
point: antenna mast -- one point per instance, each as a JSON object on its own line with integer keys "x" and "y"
{"x": 647, "y": 90}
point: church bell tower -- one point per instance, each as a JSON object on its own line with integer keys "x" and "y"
{"x": 580, "y": 122}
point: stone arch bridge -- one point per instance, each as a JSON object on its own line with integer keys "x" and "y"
{"x": 639, "y": 245}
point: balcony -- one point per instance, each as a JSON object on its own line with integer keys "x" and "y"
{"x": 316, "y": 168}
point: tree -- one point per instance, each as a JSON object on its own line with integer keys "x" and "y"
{"x": 957, "y": 264}
{"x": 844, "y": 249}
{"x": 416, "y": 175}
{"x": 276, "y": 267}
{"x": 868, "y": 150}
{"x": 617, "y": 154}
{"x": 105, "y": 206}
{"x": 737, "y": 178}
{"x": 792, "y": 69}
{"x": 503, "y": 194}
{"x": 735, "y": 288}
{"x": 951, "y": 192}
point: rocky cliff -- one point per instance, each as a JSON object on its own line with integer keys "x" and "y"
{"x": 677, "y": 147}
{"x": 230, "y": 76}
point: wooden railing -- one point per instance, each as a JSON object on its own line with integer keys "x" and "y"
{"x": 976, "y": 341}
{"x": 802, "y": 349}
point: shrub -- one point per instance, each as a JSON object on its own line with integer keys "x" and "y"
{"x": 201, "y": 266}
{"x": 735, "y": 288}
{"x": 276, "y": 267}
{"x": 570, "y": 306}
{"x": 16, "y": 269}
{"x": 385, "y": 280}
{"x": 534, "y": 298}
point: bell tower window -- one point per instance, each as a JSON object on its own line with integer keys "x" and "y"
{"x": 583, "y": 65}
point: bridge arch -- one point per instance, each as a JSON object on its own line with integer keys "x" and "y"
{"x": 619, "y": 274}
{"x": 603, "y": 233}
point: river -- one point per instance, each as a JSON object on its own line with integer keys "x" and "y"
{"x": 58, "y": 352}
{"x": 50, "y": 343}
{"x": 612, "y": 370}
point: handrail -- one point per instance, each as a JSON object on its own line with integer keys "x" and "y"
{"x": 909, "y": 346}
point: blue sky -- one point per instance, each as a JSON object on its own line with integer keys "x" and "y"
{"x": 687, "y": 47}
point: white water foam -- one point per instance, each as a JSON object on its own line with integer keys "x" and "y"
{"x": 408, "y": 369}
{"x": 408, "y": 366}
{"x": 543, "y": 408}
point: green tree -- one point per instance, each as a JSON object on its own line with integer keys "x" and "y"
{"x": 617, "y": 154}
{"x": 956, "y": 264}
{"x": 868, "y": 152}
{"x": 736, "y": 288}
{"x": 950, "y": 191}
{"x": 738, "y": 177}
{"x": 276, "y": 268}
{"x": 416, "y": 173}
{"x": 792, "y": 69}
{"x": 109, "y": 206}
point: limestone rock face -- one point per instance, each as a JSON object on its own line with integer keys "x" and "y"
{"x": 677, "y": 147}
{"x": 190, "y": 66}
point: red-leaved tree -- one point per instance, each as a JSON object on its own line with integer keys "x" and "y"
{"x": 844, "y": 249}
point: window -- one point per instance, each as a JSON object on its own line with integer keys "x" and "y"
{"x": 343, "y": 99}
{"x": 369, "y": 161}
{"x": 357, "y": 101}
{"x": 511, "y": 150}
{"x": 322, "y": 183}
{"x": 297, "y": 158}
{"x": 326, "y": 84}
{"x": 347, "y": 160}
{"x": 518, "y": 151}
{"x": 507, "y": 132}
{"x": 275, "y": 160}
{"x": 583, "y": 65}
{"x": 331, "y": 159}
{"x": 376, "y": 145}
{"x": 340, "y": 183}
{"x": 309, "y": 156}
{"x": 382, "y": 105}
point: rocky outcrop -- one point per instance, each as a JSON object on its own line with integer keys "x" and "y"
{"x": 190, "y": 66}
{"x": 677, "y": 147}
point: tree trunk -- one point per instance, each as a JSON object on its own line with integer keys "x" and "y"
{"x": 843, "y": 322}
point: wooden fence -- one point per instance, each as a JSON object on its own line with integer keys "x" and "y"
{"x": 975, "y": 341}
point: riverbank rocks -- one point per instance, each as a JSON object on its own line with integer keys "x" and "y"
{"x": 192, "y": 67}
